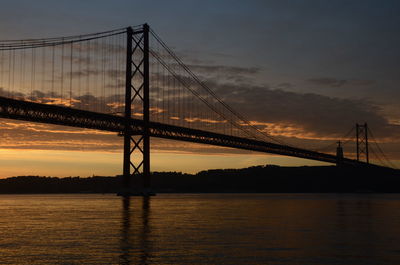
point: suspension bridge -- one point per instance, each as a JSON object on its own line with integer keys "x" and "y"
{"x": 128, "y": 81}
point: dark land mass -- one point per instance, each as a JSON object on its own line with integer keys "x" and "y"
{"x": 258, "y": 179}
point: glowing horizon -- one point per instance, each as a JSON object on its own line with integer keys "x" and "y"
{"x": 84, "y": 164}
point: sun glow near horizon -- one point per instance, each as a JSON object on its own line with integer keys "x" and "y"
{"x": 58, "y": 163}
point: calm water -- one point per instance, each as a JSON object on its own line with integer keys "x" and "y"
{"x": 200, "y": 229}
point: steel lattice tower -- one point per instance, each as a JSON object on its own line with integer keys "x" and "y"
{"x": 362, "y": 142}
{"x": 137, "y": 143}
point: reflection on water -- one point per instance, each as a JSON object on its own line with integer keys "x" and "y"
{"x": 126, "y": 224}
{"x": 200, "y": 229}
{"x": 128, "y": 233}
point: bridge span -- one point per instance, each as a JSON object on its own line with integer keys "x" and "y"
{"x": 128, "y": 81}
{"x": 43, "y": 113}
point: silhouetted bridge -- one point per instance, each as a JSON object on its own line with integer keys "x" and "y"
{"x": 35, "y": 112}
{"x": 115, "y": 81}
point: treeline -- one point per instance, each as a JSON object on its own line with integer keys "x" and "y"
{"x": 36, "y": 184}
{"x": 253, "y": 179}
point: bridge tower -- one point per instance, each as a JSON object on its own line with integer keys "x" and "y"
{"x": 339, "y": 154}
{"x": 362, "y": 142}
{"x": 137, "y": 143}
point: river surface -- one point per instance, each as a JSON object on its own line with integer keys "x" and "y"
{"x": 200, "y": 229}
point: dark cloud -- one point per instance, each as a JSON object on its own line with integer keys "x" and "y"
{"x": 83, "y": 73}
{"x": 223, "y": 69}
{"x": 7, "y": 93}
{"x": 225, "y": 73}
{"x": 334, "y": 82}
{"x": 311, "y": 114}
{"x": 284, "y": 85}
{"x": 112, "y": 103}
{"x": 317, "y": 114}
{"x": 96, "y": 72}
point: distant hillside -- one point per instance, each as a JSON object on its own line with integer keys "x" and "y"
{"x": 252, "y": 179}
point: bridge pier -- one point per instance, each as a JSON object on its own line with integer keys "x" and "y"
{"x": 137, "y": 143}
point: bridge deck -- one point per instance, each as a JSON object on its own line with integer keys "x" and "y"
{"x": 37, "y": 112}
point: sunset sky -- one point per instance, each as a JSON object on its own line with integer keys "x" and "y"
{"x": 306, "y": 71}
